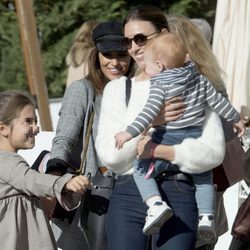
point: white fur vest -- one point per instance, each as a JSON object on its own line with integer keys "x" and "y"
{"x": 192, "y": 155}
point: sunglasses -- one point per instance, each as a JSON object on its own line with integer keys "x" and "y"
{"x": 139, "y": 39}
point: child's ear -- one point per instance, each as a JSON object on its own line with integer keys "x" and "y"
{"x": 160, "y": 66}
{"x": 188, "y": 58}
{"x": 164, "y": 30}
{"x": 4, "y": 129}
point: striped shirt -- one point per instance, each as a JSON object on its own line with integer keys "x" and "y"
{"x": 197, "y": 93}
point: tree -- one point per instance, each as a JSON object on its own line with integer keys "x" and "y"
{"x": 11, "y": 58}
{"x": 57, "y": 23}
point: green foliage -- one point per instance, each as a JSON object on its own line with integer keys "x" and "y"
{"x": 195, "y": 8}
{"x": 58, "y": 21}
{"x": 11, "y": 56}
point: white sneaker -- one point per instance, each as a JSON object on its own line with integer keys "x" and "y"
{"x": 156, "y": 217}
{"x": 206, "y": 231}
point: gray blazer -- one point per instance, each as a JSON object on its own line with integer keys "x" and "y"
{"x": 77, "y": 104}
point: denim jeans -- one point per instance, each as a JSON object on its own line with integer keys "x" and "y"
{"x": 205, "y": 195}
{"x": 127, "y": 212}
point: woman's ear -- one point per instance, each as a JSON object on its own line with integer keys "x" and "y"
{"x": 4, "y": 129}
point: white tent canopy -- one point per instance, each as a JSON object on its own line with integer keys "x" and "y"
{"x": 231, "y": 45}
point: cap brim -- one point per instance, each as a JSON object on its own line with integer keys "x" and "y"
{"x": 110, "y": 45}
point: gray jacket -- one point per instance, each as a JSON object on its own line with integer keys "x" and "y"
{"x": 77, "y": 104}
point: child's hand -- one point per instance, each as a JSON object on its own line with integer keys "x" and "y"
{"x": 78, "y": 184}
{"x": 121, "y": 138}
{"x": 240, "y": 128}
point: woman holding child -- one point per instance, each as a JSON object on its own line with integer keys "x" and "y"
{"x": 126, "y": 214}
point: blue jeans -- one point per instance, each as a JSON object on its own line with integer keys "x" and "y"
{"x": 203, "y": 182}
{"x": 127, "y": 212}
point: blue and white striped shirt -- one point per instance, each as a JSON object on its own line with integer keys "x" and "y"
{"x": 197, "y": 93}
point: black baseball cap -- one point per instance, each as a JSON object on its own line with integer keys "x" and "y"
{"x": 108, "y": 37}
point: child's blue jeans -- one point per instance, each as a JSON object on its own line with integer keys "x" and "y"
{"x": 205, "y": 196}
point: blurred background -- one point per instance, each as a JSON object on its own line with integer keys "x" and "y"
{"x": 57, "y": 22}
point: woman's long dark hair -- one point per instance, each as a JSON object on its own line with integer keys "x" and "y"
{"x": 149, "y": 13}
{"x": 96, "y": 76}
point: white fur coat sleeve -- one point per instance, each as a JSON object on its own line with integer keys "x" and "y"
{"x": 114, "y": 117}
{"x": 192, "y": 155}
{"x": 204, "y": 153}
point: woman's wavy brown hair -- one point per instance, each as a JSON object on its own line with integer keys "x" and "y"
{"x": 96, "y": 76}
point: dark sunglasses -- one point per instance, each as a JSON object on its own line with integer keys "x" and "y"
{"x": 139, "y": 39}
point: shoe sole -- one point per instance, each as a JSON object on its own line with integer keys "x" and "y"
{"x": 206, "y": 234}
{"x": 155, "y": 227}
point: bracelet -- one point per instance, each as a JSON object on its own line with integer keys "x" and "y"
{"x": 152, "y": 151}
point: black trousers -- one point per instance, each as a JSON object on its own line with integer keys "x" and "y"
{"x": 237, "y": 244}
{"x": 206, "y": 247}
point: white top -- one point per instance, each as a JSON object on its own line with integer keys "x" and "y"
{"x": 192, "y": 155}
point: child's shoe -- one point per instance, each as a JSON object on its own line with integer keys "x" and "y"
{"x": 156, "y": 217}
{"x": 206, "y": 231}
